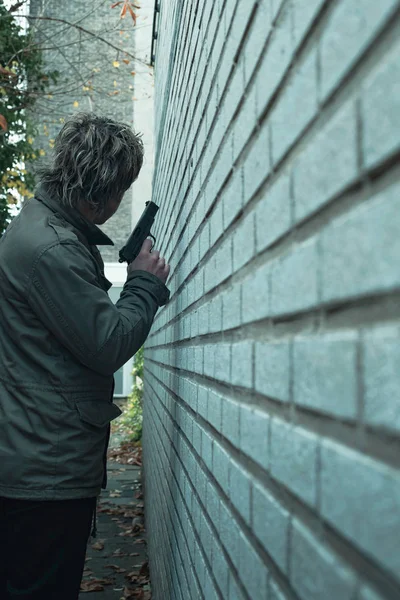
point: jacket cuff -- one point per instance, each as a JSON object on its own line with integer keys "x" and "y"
{"x": 161, "y": 291}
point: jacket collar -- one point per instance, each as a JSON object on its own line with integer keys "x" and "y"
{"x": 93, "y": 234}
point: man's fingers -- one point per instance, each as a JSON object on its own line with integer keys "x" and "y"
{"x": 147, "y": 245}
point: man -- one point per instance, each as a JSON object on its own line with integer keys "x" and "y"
{"x": 61, "y": 340}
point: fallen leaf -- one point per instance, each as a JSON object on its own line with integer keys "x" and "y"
{"x": 116, "y": 568}
{"x": 87, "y": 572}
{"x": 91, "y": 586}
{"x": 118, "y": 552}
{"x": 144, "y": 569}
{"x": 98, "y": 545}
{"x": 129, "y": 593}
{"x": 3, "y": 123}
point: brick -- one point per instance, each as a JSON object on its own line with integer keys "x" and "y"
{"x": 272, "y": 369}
{"x": 361, "y": 249}
{"x": 234, "y": 93}
{"x": 294, "y": 280}
{"x": 325, "y": 373}
{"x": 256, "y": 38}
{"x": 274, "y": 592}
{"x": 200, "y": 565}
{"x": 206, "y": 449}
{"x": 209, "y": 359}
{"x": 196, "y": 437}
{"x": 221, "y": 466}
{"x": 223, "y": 362}
{"x": 253, "y": 572}
{"x": 223, "y": 166}
{"x": 231, "y": 307}
{"x": 255, "y": 295}
{"x": 202, "y": 401}
{"x": 350, "y": 480}
{"x": 230, "y": 420}
{"x": 230, "y": 534}
{"x": 271, "y": 526}
{"x": 199, "y": 283}
{"x": 276, "y": 59}
{"x": 214, "y": 411}
{"x": 206, "y": 536}
{"x": 221, "y": 570}
{"x": 244, "y": 123}
{"x": 193, "y": 324}
{"x": 304, "y": 12}
{"x": 294, "y": 459}
{"x": 215, "y": 322}
{"x": 254, "y": 434}
{"x": 212, "y": 503}
{"x": 203, "y": 319}
{"x": 223, "y": 262}
{"x": 204, "y": 239}
{"x": 196, "y": 512}
{"x": 368, "y": 593}
{"x": 199, "y": 359}
{"x": 209, "y": 587}
{"x": 381, "y": 377}
{"x": 232, "y": 198}
{"x": 239, "y": 490}
{"x": 235, "y": 593}
{"x": 275, "y": 7}
{"x": 257, "y": 164}
{"x": 347, "y": 35}
{"x": 210, "y": 274}
{"x": 273, "y": 213}
{"x": 242, "y": 364}
{"x": 244, "y": 242}
{"x": 287, "y": 122}
{"x": 216, "y": 225}
{"x": 380, "y": 106}
{"x": 315, "y": 571}
{"x": 327, "y": 165}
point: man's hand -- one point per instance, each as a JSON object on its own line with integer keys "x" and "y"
{"x": 150, "y": 261}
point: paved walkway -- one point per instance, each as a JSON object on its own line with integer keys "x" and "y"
{"x": 116, "y": 559}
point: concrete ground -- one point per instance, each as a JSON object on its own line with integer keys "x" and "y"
{"x": 116, "y": 564}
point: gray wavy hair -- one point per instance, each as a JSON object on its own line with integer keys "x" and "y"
{"x": 95, "y": 159}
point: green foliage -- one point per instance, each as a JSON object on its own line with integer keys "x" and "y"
{"x": 22, "y": 81}
{"x": 129, "y": 424}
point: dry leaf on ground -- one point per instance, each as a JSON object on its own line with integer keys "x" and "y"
{"x": 99, "y": 545}
{"x": 116, "y": 568}
{"x": 95, "y": 585}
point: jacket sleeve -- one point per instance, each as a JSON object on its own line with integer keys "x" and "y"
{"x": 66, "y": 296}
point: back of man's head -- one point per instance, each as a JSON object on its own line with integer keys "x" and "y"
{"x": 96, "y": 159}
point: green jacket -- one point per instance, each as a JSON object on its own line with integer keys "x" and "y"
{"x": 61, "y": 341}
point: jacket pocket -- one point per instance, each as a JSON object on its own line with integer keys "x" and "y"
{"x": 97, "y": 413}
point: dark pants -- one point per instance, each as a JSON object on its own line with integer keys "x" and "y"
{"x": 43, "y": 547}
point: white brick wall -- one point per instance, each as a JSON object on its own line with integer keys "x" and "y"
{"x": 272, "y": 412}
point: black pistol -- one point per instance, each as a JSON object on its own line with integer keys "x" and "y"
{"x": 142, "y": 230}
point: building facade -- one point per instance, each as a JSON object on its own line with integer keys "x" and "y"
{"x": 105, "y": 79}
{"x": 272, "y": 386}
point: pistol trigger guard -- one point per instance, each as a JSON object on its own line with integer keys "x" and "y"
{"x": 153, "y": 238}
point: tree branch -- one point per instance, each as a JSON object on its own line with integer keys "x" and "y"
{"x": 82, "y": 29}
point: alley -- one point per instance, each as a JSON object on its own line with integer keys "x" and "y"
{"x": 116, "y": 564}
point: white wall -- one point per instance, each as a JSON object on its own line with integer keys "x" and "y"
{"x": 143, "y": 108}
